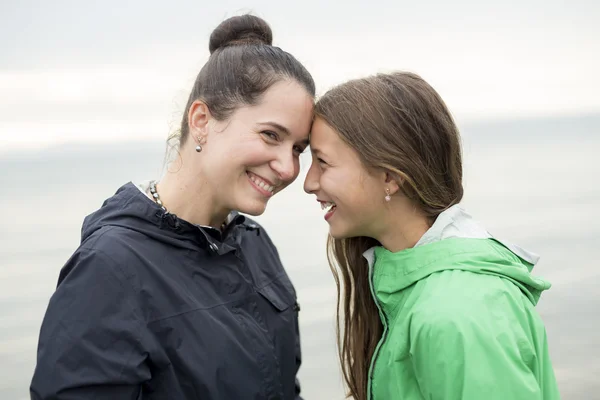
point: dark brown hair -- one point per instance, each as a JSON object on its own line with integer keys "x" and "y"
{"x": 396, "y": 122}
{"x": 242, "y": 66}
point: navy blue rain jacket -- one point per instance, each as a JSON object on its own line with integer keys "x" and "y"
{"x": 152, "y": 307}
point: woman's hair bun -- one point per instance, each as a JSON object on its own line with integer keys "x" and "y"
{"x": 243, "y": 29}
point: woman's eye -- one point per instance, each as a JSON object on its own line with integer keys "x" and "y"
{"x": 271, "y": 135}
{"x": 321, "y": 161}
{"x": 299, "y": 149}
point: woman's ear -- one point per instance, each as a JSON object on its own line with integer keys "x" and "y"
{"x": 198, "y": 119}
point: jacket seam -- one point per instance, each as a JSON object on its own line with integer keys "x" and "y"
{"x": 195, "y": 309}
{"x": 452, "y": 254}
{"x": 192, "y": 310}
{"x": 278, "y": 277}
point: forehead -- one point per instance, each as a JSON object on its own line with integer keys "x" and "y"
{"x": 285, "y": 103}
{"x": 324, "y": 138}
{"x": 326, "y": 141}
{"x": 284, "y": 94}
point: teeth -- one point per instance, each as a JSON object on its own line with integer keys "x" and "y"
{"x": 327, "y": 205}
{"x": 262, "y": 184}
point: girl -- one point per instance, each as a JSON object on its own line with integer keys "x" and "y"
{"x": 172, "y": 293}
{"x": 432, "y": 306}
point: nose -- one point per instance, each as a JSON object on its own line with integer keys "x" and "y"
{"x": 311, "y": 183}
{"x": 286, "y": 166}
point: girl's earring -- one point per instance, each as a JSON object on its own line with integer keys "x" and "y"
{"x": 198, "y": 147}
{"x": 388, "y": 197}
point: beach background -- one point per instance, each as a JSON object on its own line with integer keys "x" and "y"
{"x": 89, "y": 93}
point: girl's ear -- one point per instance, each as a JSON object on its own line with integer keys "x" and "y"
{"x": 392, "y": 183}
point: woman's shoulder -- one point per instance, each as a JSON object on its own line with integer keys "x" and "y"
{"x": 114, "y": 243}
{"x": 101, "y": 254}
{"x": 112, "y": 255}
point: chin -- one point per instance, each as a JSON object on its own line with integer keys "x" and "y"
{"x": 345, "y": 232}
{"x": 253, "y": 209}
{"x": 338, "y": 233}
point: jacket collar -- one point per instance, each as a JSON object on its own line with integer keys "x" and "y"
{"x": 455, "y": 222}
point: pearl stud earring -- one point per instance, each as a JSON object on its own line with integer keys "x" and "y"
{"x": 387, "y": 196}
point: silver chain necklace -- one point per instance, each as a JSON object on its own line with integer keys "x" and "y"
{"x": 156, "y": 196}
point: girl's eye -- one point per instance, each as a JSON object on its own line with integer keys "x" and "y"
{"x": 321, "y": 161}
{"x": 271, "y": 135}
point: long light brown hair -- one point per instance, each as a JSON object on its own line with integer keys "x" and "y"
{"x": 399, "y": 123}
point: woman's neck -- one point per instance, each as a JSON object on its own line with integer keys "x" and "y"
{"x": 188, "y": 196}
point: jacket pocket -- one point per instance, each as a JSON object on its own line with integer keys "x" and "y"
{"x": 280, "y": 293}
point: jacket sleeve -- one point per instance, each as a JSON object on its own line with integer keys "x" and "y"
{"x": 90, "y": 345}
{"x": 459, "y": 356}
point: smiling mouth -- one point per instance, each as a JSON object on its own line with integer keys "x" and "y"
{"x": 329, "y": 208}
{"x": 261, "y": 185}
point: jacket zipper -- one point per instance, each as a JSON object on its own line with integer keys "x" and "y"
{"x": 383, "y": 336}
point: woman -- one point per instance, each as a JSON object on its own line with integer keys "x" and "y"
{"x": 172, "y": 293}
{"x": 433, "y": 306}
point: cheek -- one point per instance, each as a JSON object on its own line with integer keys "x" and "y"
{"x": 360, "y": 197}
{"x": 250, "y": 153}
{"x": 344, "y": 188}
{"x": 332, "y": 187}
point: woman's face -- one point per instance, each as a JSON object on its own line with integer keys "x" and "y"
{"x": 254, "y": 154}
{"x": 352, "y": 196}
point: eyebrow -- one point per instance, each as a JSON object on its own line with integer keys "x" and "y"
{"x": 277, "y": 126}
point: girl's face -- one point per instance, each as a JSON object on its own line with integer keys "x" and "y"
{"x": 352, "y": 196}
{"x": 254, "y": 154}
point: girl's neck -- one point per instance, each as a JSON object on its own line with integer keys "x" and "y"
{"x": 405, "y": 226}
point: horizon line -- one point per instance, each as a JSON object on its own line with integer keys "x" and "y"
{"x": 462, "y": 124}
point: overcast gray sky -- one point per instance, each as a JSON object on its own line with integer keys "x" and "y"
{"x": 112, "y": 70}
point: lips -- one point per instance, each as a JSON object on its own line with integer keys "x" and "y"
{"x": 262, "y": 185}
{"x": 329, "y": 213}
{"x": 329, "y": 208}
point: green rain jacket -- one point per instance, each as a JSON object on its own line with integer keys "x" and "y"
{"x": 459, "y": 318}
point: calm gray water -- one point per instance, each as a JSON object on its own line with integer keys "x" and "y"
{"x": 531, "y": 182}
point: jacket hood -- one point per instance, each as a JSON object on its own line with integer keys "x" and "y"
{"x": 132, "y": 209}
{"x": 455, "y": 242}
